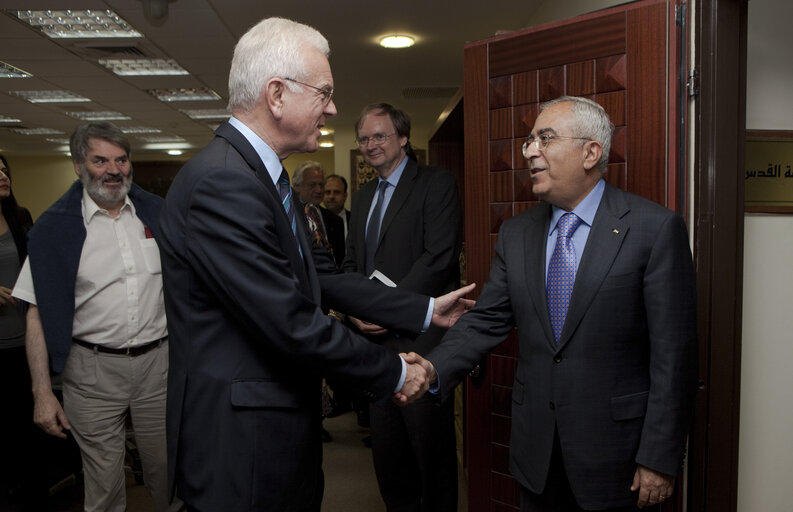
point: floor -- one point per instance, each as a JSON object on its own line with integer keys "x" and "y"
{"x": 350, "y": 483}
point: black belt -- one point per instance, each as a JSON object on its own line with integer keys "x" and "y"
{"x": 130, "y": 351}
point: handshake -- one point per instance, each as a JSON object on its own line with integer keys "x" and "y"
{"x": 419, "y": 377}
{"x": 420, "y": 374}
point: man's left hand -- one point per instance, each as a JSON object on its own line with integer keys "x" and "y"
{"x": 653, "y": 487}
{"x": 449, "y": 307}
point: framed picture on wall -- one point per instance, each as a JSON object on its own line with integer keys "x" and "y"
{"x": 361, "y": 172}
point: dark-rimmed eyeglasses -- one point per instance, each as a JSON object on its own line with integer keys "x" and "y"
{"x": 378, "y": 138}
{"x": 326, "y": 94}
{"x": 541, "y": 141}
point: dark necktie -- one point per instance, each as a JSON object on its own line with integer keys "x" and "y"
{"x": 373, "y": 229}
{"x": 285, "y": 192}
{"x": 317, "y": 228}
{"x": 561, "y": 272}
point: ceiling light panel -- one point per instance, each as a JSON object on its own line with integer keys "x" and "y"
{"x": 212, "y": 113}
{"x": 143, "y": 67}
{"x": 50, "y": 96}
{"x": 72, "y": 24}
{"x": 62, "y": 141}
{"x": 9, "y": 71}
{"x": 6, "y": 120}
{"x": 139, "y": 129}
{"x": 36, "y": 131}
{"x": 200, "y": 94}
{"x": 162, "y": 138}
{"x": 99, "y": 116}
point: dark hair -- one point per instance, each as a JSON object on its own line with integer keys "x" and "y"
{"x": 18, "y": 219}
{"x": 78, "y": 143}
{"x": 399, "y": 119}
{"x": 340, "y": 178}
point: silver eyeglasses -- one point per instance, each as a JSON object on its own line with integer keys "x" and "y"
{"x": 378, "y": 138}
{"x": 326, "y": 94}
{"x": 541, "y": 141}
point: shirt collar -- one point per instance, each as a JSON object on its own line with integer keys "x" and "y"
{"x": 393, "y": 178}
{"x": 90, "y": 208}
{"x": 265, "y": 152}
{"x": 585, "y": 210}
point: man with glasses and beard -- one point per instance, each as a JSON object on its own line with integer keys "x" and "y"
{"x": 96, "y": 317}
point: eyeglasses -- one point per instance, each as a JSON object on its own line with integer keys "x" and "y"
{"x": 541, "y": 141}
{"x": 378, "y": 138}
{"x": 326, "y": 94}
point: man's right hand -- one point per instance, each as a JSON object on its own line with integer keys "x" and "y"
{"x": 366, "y": 327}
{"x": 416, "y": 383}
{"x": 49, "y": 416}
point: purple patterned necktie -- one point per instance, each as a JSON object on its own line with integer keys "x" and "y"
{"x": 561, "y": 272}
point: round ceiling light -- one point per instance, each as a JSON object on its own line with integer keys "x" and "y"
{"x": 397, "y": 41}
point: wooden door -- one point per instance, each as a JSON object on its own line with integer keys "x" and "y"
{"x": 623, "y": 58}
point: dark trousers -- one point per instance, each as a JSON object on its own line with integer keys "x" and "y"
{"x": 558, "y": 496}
{"x": 415, "y": 455}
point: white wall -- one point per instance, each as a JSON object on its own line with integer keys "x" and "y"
{"x": 766, "y": 425}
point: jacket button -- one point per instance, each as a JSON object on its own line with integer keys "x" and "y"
{"x": 552, "y": 405}
{"x": 557, "y": 359}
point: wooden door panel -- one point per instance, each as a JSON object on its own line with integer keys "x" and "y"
{"x": 617, "y": 57}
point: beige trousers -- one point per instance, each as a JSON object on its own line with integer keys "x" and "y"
{"x": 99, "y": 391}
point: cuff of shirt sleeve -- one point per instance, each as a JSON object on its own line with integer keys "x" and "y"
{"x": 402, "y": 377}
{"x": 428, "y": 318}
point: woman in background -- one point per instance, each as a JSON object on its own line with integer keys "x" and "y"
{"x": 16, "y": 427}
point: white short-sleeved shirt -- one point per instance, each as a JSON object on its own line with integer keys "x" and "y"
{"x": 118, "y": 291}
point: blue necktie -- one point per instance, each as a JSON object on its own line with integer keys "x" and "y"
{"x": 285, "y": 192}
{"x": 373, "y": 229}
{"x": 561, "y": 272}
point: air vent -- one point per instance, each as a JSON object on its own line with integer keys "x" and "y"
{"x": 127, "y": 51}
{"x": 117, "y": 51}
{"x": 427, "y": 93}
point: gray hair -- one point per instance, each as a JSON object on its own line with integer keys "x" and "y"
{"x": 78, "y": 143}
{"x": 592, "y": 122}
{"x": 297, "y": 176}
{"x": 271, "y": 48}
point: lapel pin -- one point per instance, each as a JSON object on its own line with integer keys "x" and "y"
{"x": 615, "y": 231}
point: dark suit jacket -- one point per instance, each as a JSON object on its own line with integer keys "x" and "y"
{"x": 335, "y": 231}
{"x": 419, "y": 242}
{"x": 619, "y": 385}
{"x": 248, "y": 342}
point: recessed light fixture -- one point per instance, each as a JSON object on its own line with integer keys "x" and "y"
{"x": 108, "y": 115}
{"x": 210, "y": 113}
{"x": 37, "y": 131}
{"x": 62, "y": 141}
{"x": 161, "y": 138}
{"x": 72, "y": 24}
{"x": 397, "y": 41}
{"x": 143, "y": 67}
{"x": 139, "y": 129}
{"x": 325, "y": 131}
{"x": 175, "y": 152}
{"x": 326, "y": 144}
{"x": 200, "y": 94}
{"x": 9, "y": 71}
{"x": 50, "y": 96}
{"x": 7, "y": 120}
{"x": 166, "y": 146}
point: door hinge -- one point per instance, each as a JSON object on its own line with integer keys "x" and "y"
{"x": 693, "y": 83}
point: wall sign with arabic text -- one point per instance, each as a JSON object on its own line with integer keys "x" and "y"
{"x": 768, "y": 177}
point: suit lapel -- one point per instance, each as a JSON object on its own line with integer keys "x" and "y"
{"x": 535, "y": 239}
{"x": 303, "y": 266}
{"x": 402, "y": 192}
{"x": 606, "y": 236}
